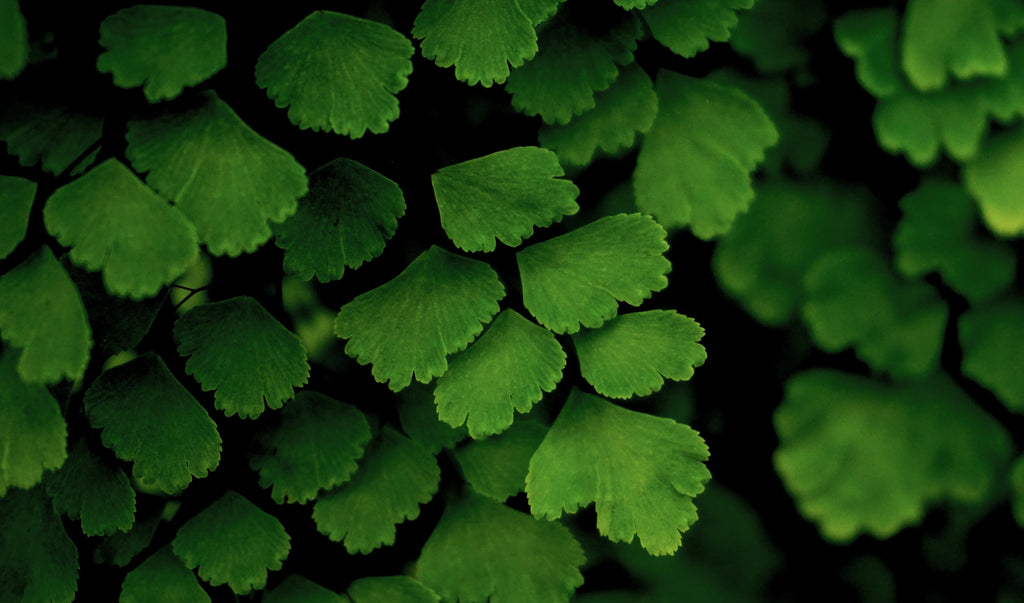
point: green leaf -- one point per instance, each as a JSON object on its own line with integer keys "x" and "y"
{"x": 171, "y": 442}
{"x": 502, "y": 195}
{"x": 16, "y": 196}
{"x": 120, "y": 548}
{"x": 497, "y": 467}
{"x": 93, "y": 491}
{"x": 395, "y": 477}
{"x": 482, "y": 550}
{"x": 33, "y": 435}
{"x": 480, "y": 37}
{"x": 634, "y": 4}
{"x": 539, "y": 10}
{"x": 580, "y": 277}
{"x": 937, "y": 232}
{"x": 234, "y": 542}
{"x": 314, "y": 447}
{"x": 642, "y": 472}
{"x": 1017, "y": 490}
{"x": 345, "y": 220}
{"x": 433, "y": 308}
{"x": 162, "y": 577}
{"x": 238, "y": 349}
{"x": 959, "y": 37}
{"x": 38, "y": 562}
{"x": 42, "y": 313}
{"x": 774, "y": 33}
{"x": 227, "y": 179}
{"x": 162, "y": 48}
{"x": 719, "y": 135}
{"x": 687, "y": 27}
{"x": 860, "y": 456}
{"x": 620, "y": 112}
{"x": 391, "y": 589}
{"x": 508, "y": 369}
{"x": 296, "y": 589}
{"x": 868, "y": 36}
{"x": 337, "y": 73}
{"x": 13, "y": 40}
{"x": 994, "y": 179}
{"x": 571, "y": 65}
{"x": 417, "y": 414}
{"x": 115, "y": 223}
{"x": 992, "y": 348}
{"x": 633, "y": 354}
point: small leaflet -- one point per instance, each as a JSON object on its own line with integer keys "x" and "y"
{"x": 687, "y": 27}
{"x": 497, "y": 467}
{"x": 92, "y": 491}
{"x": 990, "y": 335}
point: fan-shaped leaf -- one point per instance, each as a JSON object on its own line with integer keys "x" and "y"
{"x": 149, "y": 418}
{"x": 162, "y": 577}
{"x": 994, "y": 179}
{"x": 687, "y": 27}
{"x": 391, "y": 589}
{"x": 13, "y": 40}
{"x": 580, "y": 277}
{"x": 114, "y": 222}
{"x": 16, "y": 196}
{"x": 633, "y": 354}
{"x": 315, "y": 447}
{"x": 348, "y": 215}
{"x": 42, "y": 313}
{"x": 773, "y": 34}
{"x": 497, "y": 467}
{"x": 694, "y": 165}
{"x": 407, "y": 326}
{"x": 502, "y": 195}
{"x": 238, "y": 349}
{"x": 234, "y": 542}
{"x": 88, "y": 489}
{"x": 38, "y": 562}
{"x": 992, "y": 346}
{"x": 482, "y": 550}
{"x": 226, "y": 178}
{"x": 394, "y": 479}
{"x": 868, "y": 36}
{"x": 296, "y": 589}
{"x": 338, "y": 73}
{"x": 162, "y": 48}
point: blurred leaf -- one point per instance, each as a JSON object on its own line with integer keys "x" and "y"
{"x": 773, "y": 34}
{"x": 16, "y": 197}
{"x": 994, "y": 178}
{"x": 162, "y": 48}
{"x": 869, "y": 37}
{"x": 120, "y": 548}
{"x": 1017, "y": 490}
{"x": 93, "y": 491}
{"x": 992, "y": 348}
{"x": 162, "y": 577}
{"x": 687, "y": 27}
{"x": 497, "y": 467}
{"x": 13, "y": 40}
{"x": 38, "y": 562}
{"x": 391, "y": 589}
{"x": 296, "y": 589}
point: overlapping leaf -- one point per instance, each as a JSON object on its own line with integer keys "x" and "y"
{"x": 42, "y": 313}
{"x": 579, "y": 278}
{"x": 115, "y": 223}
{"x": 502, "y": 196}
{"x": 147, "y": 417}
{"x": 994, "y": 179}
{"x": 391, "y": 589}
{"x": 773, "y": 33}
{"x": 687, "y": 27}
{"x": 394, "y": 479}
{"x": 347, "y": 217}
{"x": 337, "y": 73}
{"x": 641, "y": 471}
{"x": 227, "y": 179}
{"x": 417, "y": 414}
{"x": 695, "y": 164}
{"x": 407, "y": 326}
{"x": 482, "y": 550}
{"x": 38, "y": 562}
{"x": 868, "y": 37}
{"x": 162, "y": 48}
{"x": 992, "y": 346}
{"x": 162, "y": 577}
{"x": 497, "y": 467}
{"x": 90, "y": 490}
{"x": 314, "y": 447}
{"x": 632, "y": 354}
{"x": 120, "y": 548}
{"x": 16, "y": 196}
{"x": 238, "y": 349}
{"x": 13, "y": 40}
{"x": 507, "y": 369}
{"x": 296, "y": 589}
{"x": 233, "y": 542}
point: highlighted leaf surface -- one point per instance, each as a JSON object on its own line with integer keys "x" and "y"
{"x": 994, "y": 178}
{"x": 16, "y": 196}
{"x": 93, "y": 491}
{"x": 960, "y": 37}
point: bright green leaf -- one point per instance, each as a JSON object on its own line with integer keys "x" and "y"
{"x": 238, "y": 349}
{"x": 338, "y": 73}
{"x": 480, "y": 37}
{"x": 42, "y": 313}
{"x": 497, "y": 467}
{"x": 579, "y": 278}
{"x": 162, "y": 577}
{"x": 162, "y": 48}
{"x": 633, "y": 354}
{"x": 227, "y": 179}
{"x": 149, "y": 418}
{"x": 314, "y": 447}
{"x": 296, "y": 589}
{"x": 642, "y": 471}
{"x": 16, "y": 196}
{"x": 626, "y": 108}
{"x": 773, "y": 33}
{"x": 687, "y": 27}
{"x": 38, "y": 562}
{"x": 33, "y": 435}
{"x": 507, "y": 369}
{"x": 695, "y": 164}
{"x": 394, "y": 479}
{"x": 93, "y": 491}
{"x": 433, "y": 308}
{"x": 391, "y": 589}
{"x": 482, "y": 550}
{"x": 861, "y": 456}
{"x": 417, "y": 414}
{"x": 992, "y": 348}
{"x": 348, "y": 215}
{"x": 502, "y": 195}
{"x": 868, "y": 36}
{"x": 114, "y": 222}
{"x": 994, "y": 178}
{"x": 13, "y": 40}
{"x": 234, "y": 542}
